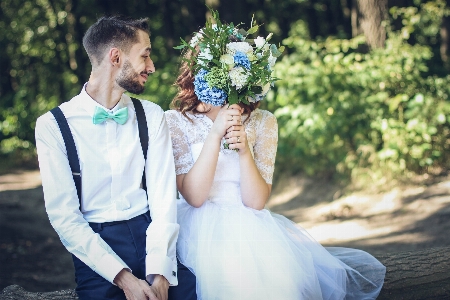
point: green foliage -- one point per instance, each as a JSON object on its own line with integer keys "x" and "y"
{"x": 362, "y": 114}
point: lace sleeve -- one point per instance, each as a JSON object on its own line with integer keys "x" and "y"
{"x": 181, "y": 150}
{"x": 265, "y": 148}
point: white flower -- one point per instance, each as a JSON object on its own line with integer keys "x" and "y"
{"x": 244, "y": 47}
{"x": 250, "y": 99}
{"x": 251, "y": 57}
{"x": 228, "y": 60}
{"x": 214, "y": 27}
{"x": 266, "y": 88}
{"x": 238, "y": 77}
{"x": 196, "y": 38}
{"x": 259, "y": 42}
{"x": 266, "y": 47}
{"x": 272, "y": 60}
{"x": 204, "y": 54}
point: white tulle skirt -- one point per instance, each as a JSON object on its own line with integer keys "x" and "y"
{"x": 241, "y": 253}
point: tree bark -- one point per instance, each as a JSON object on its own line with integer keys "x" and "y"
{"x": 367, "y": 17}
{"x": 417, "y": 275}
{"x": 409, "y": 275}
{"x": 15, "y": 292}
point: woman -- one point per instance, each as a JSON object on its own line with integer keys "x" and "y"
{"x": 224, "y": 157}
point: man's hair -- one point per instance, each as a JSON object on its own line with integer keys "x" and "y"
{"x": 112, "y": 31}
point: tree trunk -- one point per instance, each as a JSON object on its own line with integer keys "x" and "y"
{"x": 417, "y": 275}
{"x": 410, "y": 275}
{"x": 445, "y": 39}
{"x": 367, "y": 17}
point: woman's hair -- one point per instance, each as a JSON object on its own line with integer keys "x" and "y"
{"x": 112, "y": 31}
{"x": 186, "y": 100}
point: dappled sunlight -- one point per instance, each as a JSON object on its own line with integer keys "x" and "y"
{"x": 338, "y": 231}
{"x": 285, "y": 196}
{"x": 20, "y": 180}
{"x": 404, "y": 215}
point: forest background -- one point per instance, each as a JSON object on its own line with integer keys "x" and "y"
{"x": 363, "y": 95}
{"x": 363, "y": 102}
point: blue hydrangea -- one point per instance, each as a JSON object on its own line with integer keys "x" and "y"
{"x": 213, "y": 96}
{"x": 241, "y": 59}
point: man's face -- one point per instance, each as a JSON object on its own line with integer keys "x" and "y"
{"x": 137, "y": 65}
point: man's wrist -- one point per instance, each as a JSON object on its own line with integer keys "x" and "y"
{"x": 123, "y": 278}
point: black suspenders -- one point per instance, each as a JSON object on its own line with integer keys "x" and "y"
{"x": 71, "y": 149}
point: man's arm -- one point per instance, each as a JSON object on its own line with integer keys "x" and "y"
{"x": 62, "y": 204}
{"x": 162, "y": 232}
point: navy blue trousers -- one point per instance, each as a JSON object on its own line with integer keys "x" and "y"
{"x": 127, "y": 239}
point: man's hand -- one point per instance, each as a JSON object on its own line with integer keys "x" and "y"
{"x": 160, "y": 287}
{"x": 134, "y": 288}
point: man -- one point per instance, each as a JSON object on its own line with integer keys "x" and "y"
{"x": 119, "y": 235}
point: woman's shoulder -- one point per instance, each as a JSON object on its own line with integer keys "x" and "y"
{"x": 173, "y": 114}
{"x": 262, "y": 115}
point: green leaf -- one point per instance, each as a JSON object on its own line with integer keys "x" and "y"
{"x": 256, "y": 89}
{"x": 253, "y": 29}
{"x": 233, "y": 97}
{"x": 244, "y": 100}
{"x": 243, "y": 32}
{"x": 179, "y": 47}
{"x": 274, "y": 51}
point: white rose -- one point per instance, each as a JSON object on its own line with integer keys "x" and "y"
{"x": 228, "y": 60}
{"x": 259, "y": 42}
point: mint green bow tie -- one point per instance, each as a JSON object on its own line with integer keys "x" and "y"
{"x": 101, "y": 115}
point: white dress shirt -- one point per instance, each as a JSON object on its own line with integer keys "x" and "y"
{"x": 112, "y": 164}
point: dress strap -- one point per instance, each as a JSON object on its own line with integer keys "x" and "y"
{"x": 71, "y": 149}
{"x": 143, "y": 133}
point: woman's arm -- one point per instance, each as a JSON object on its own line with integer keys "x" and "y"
{"x": 196, "y": 184}
{"x": 255, "y": 188}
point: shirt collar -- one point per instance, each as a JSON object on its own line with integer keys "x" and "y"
{"x": 89, "y": 104}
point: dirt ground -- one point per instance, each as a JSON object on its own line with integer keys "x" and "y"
{"x": 405, "y": 218}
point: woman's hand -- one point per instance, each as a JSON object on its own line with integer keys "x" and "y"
{"x": 236, "y": 138}
{"x": 227, "y": 117}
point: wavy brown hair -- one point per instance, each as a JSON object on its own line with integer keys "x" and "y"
{"x": 186, "y": 100}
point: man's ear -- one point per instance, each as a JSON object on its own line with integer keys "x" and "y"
{"x": 114, "y": 57}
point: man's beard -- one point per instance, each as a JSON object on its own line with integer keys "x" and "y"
{"x": 129, "y": 79}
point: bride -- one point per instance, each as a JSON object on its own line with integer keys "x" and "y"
{"x": 224, "y": 158}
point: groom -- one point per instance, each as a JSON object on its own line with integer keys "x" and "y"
{"x": 122, "y": 237}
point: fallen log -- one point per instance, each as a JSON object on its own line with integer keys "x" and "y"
{"x": 410, "y": 275}
{"x": 15, "y": 292}
{"x": 417, "y": 275}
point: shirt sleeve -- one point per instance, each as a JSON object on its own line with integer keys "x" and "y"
{"x": 162, "y": 232}
{"x": 265, "y": 149}
{"x": 181, "y": 150}
{"x": 62, "y": 204}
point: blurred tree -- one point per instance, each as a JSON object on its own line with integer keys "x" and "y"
{"x": 367, "y": 18}
{"x": 43, "y": 64}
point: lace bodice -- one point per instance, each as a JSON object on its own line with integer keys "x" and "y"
{"x": 188, "y": 138}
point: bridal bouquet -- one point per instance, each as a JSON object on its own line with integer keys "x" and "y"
{"x": 231, "y": 66}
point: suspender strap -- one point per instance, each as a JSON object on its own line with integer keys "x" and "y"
{"x": 71, "y": 149}
{"x": 143, "y": 133}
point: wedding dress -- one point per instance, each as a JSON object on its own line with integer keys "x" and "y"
{"x": 237, "y": 252}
